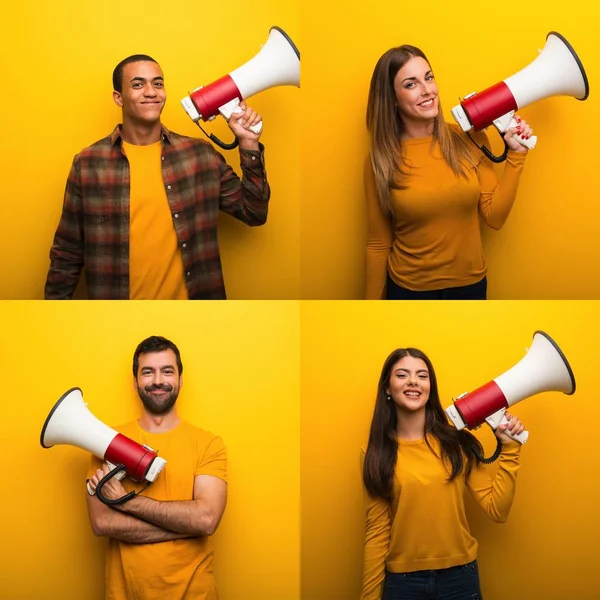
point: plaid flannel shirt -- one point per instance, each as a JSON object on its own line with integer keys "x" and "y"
{"x": 93, "y": 231}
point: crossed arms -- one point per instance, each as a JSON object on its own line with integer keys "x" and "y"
{"x": 143, "y": 520}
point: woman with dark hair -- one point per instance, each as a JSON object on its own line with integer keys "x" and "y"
{"x": 415, "y": 471}
{"x": 426, "y": 185}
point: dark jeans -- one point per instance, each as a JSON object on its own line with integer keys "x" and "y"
{"x": 455, "y": 583}
{"x": 475, "y": 291}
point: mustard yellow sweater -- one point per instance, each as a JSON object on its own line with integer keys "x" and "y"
{"x": 424, "y": 526}
{"x": 434, "y": 240}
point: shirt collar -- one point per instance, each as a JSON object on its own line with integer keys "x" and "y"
{"x": 115, "y": 136}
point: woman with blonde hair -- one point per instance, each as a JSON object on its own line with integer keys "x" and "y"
{"x": 416, "y": 469}
{"x": 426, "y": 185}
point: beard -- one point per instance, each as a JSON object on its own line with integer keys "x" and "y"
{"x": 158, "y": 405}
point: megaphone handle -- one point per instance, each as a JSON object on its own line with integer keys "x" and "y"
{"x": 118, "y": 476}
{"x": 530, "y": 143}
{"x": 233, "y": 107}
{"x": 506, "y": 122}
{"x": 499, "y": 418}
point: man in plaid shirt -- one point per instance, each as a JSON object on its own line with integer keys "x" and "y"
{"x": 141, "y": 205}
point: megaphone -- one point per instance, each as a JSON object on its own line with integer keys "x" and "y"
{"x": 557, "y": 71}
{"x": 277, "y": 63}
{"x": 543, "y": 369}
{"x": 71, "y": 423}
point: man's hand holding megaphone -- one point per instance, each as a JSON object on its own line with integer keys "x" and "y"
{"x": 243, "y": 123}
{"x": 112, "y": 489}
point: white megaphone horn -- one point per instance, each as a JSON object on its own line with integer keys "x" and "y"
{"x": 557, "y": 71}
{"x": 71, "y": 423}
{"x": 543, "y": 369}
{"x": 277, "y": 63}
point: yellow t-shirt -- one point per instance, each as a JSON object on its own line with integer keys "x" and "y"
{"x": 433, "y": 241}
{"x": 424, "y": 526}
{"x": 156, "y": 270}
{"x": 180, "y": 569}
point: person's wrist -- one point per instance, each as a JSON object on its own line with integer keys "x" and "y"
{"x": 249, "y": 145}
{"x": 510, "y": 443}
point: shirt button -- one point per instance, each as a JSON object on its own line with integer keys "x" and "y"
{"x": 176, "y": 216}
{"x": 185, "y": 245}
{"x": 162, "y": 158}
{"x": 188, "y": 273}
{"x": 168, "y": 187}
{"x": 254, "y": 158}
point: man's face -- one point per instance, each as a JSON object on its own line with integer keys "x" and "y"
{"x": 158, "y": 381}
{"x": 143, "y": 93}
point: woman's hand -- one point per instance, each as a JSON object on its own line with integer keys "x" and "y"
{"x": 514, "y": 426}
{"x": 522, "y": 130}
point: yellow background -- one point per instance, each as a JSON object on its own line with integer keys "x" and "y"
{"x": 241, "y": 381}
{"x": 548, "y": 547}
{"x": 57, "y": 68}
{"x": 550, "y": 245}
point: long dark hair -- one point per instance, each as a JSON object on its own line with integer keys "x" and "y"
{"x": 382, "y": 449}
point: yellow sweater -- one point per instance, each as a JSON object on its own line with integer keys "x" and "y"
{"x": 425, "y": 527}
{"x": 434, "y": 241}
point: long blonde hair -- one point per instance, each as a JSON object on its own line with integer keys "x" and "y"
{"x": 386, "y": 128}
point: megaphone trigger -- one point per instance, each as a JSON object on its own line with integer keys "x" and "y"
{"x": 233, "y": 108}
{"x": 506, "y": 122}
{"x": 499, "y": 418}
{"x": 528, "y": 143}
{"x": 120, "y": 475}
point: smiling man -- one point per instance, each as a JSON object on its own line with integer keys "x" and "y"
{"x": 159, "y": 545}
{"x": 141, "y": 205}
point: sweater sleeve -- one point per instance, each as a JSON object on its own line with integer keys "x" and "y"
{"x": 377, "y": 543}
{"x": 497, "y": 197}
{"x": 379, "y": 238}
{"x": 495, "y": 493}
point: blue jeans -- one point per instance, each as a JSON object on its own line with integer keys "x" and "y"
{"x": 475, "y": 291}
{"x": 455, "y": 583}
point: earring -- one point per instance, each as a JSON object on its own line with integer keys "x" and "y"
{"x": 388, "y": 397}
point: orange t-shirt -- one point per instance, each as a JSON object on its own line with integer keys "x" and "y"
{"x": 156, "y": 270}
{"x": 179, "y": 569}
